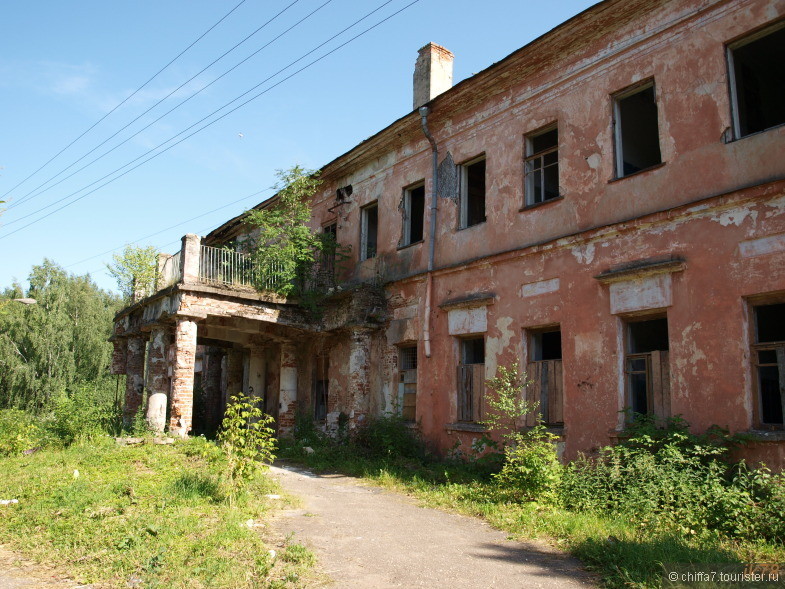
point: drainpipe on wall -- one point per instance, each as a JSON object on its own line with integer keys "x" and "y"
{"x": 432, "y": 234}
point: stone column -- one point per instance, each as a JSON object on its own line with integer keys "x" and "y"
{"x": 134, "y": 382}
{"x": 182, "y": 408}
{"x": 359, "y": 375}
{"x": 157, "y": 379}
{"x": 190, "y": 258}
{"x": 288, "y": 389}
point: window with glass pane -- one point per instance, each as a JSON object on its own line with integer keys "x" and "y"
{"x": 541, "y": 167}
{"x": 769, "y": 357}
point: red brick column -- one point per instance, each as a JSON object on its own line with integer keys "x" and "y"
{"x": 118, "y": 355}
{"x": 157, "y": 379}
{"x": 288, "y": 389}
{"x": 359, "y": 376}
{"x": 134, "y": 382}
{"x": 181, "y": 417}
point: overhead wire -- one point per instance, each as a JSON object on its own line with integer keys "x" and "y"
{"x": 215, "y": 210}
{"x": 27, "y": 197}
{"x": 278, "y": 83}
{"x": 127, "y": 98}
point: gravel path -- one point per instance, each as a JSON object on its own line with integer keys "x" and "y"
{"x": 369, "y": 538}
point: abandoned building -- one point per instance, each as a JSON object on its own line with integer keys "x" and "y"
{"x": 604, "y": 208}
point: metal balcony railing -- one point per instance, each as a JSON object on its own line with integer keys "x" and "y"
{"x": 230, "y": 268}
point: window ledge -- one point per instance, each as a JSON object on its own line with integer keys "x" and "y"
{"x": 466, "y": 427}
{"x": 639, "y": 172}
{"x": 735, "y": 139}
{"x": 473, "y": 226}
{"x": 759, "y": 435}
{"x": 408, "y": 245}
{"x": 556, "y": 430}
{"x": 536, "y": 205}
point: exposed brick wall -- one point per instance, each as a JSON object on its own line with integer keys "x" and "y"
{"x": 359, "y": 376}
{"x": 119, "y": 355}
{"x": 181, "y": 419}
{"x": 134, "y": 383}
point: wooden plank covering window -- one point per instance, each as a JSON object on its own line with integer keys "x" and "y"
{"x": 471, "y": 384}
{"x": 546, "y": 388}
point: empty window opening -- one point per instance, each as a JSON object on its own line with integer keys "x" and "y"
{"x": 647, "y": 369}
{"x": 321, "y": 385}
{"x": 541, "y": 167}
{"x": 769, "y": 358}
{"x": 757, "y": 74}
{"x": 471, "y": 379}
{"x": 369, "y": 231}
{"x": 544, "y": 374}
{"x": 408, "y": 382}
{"x": 473, "y": 193}
{"x": 637, "y": 131}
{"x": 414, "y": 214}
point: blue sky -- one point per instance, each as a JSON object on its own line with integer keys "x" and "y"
{"x": 65, "y": 65}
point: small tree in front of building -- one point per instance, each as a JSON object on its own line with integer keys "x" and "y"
{"x": 531, "y": 467}
{"x": 284, "y": 244}
{"x": 247, "y": 441}
{"x": 134, "y": 269}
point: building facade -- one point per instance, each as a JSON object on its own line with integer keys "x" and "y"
{"x": 603, "y": 209}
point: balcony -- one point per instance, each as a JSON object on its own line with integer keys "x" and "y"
{"x": 216, "y": 267}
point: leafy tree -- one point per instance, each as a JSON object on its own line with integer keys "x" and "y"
{"x": 134, "y": 269}
{"x": 49, "y": 347}
{"x": 283, "y": 242}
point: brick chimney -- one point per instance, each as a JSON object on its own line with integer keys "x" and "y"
{"x": 432, "y": 73}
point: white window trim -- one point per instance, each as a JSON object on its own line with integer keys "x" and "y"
{"x": 730, "y": 48}
{"x": 364, "y": 230}
{"x": 464, "y": 190}
{"x": 617, "y": 142}
{"x": 528, "y": 179}
{"x": 407, "y": 212}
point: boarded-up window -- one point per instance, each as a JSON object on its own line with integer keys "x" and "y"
{"x": 769, "y": 358}
{"x": 408, "y": 382}
{"x": 471, "y": 379}
{"x": 544, "y": 373}
{"x": 647, "y": 368}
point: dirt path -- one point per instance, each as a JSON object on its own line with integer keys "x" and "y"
{"x": 369, "y": 538}
{"x": 18, "y": 573}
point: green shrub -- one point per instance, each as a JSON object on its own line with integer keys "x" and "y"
{"x": 678, "y": 482}
{"x": 247, "y": 441}
{"x": 79, "y": 416}
{"x": 531, "y": 468}
{"x": 18, "y": 432}
{"x": 389, "y": 437}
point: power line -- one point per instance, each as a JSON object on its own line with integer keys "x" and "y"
{"x": 25, "y": 198}
{"x": 218, "y": 110}
{"x": 172, "y": 226}
{"x": 134, "y": 93}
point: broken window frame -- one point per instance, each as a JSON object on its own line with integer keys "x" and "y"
{"x": 618, "y": 142}
{"x": 732, "y": 81}
{"x": 534, "y": 165}
{"x": 778, "y": 347}
{"x": 470, "y": 381}
{"x": 407, "y": 215}
{"x": 463, "y": 222}
{"x": 656, "y": 371}
{"x": 407, "y": 383}
{"x": 366, "y": 251}
{"x": 545, "y": 381}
